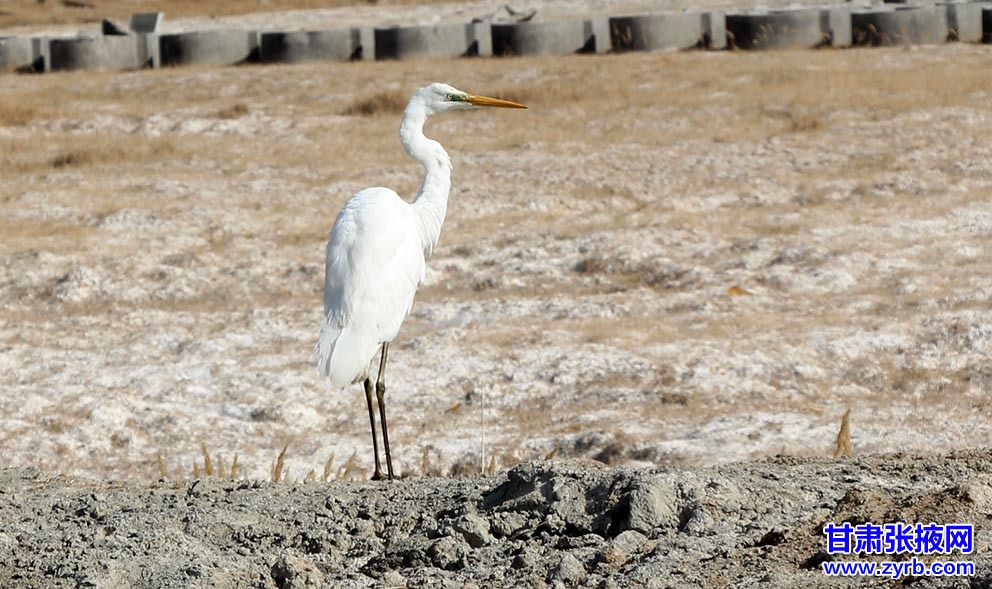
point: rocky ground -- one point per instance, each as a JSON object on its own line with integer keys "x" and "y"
{"x": 541, "y": 524}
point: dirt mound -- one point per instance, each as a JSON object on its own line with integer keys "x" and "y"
{"x": 551, "y": 523}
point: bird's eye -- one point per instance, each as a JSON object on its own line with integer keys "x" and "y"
{"x": 451, "y": 98}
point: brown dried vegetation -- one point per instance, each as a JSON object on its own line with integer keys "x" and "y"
{"x": 169, "y": 136}
{"x": 388, "y": 102}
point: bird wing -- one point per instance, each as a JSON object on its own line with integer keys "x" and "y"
{"x": 374, "y": 263}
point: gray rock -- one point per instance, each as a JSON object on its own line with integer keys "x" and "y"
{"x": 474, "y": 529}
{"x": 629, "y": 542}
{"x": 447, "y": 552}
{"x": 296, "y": 572}
{"x": 653, "y": 506}
{"x": 528, "y": 558}
{"x": 568, "y": 570}
{"x": 979, "y": 493}
{"x": 504, "y": 524}
{"x": 394, "y": 579}
{"x": 573, "y": 495}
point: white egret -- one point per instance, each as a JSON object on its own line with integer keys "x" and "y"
{"x": 376, "y": 258}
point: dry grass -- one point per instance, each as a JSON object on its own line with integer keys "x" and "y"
{"x": 178, "y": 144}
{"x": 797, "y": 95}
{"x": 383, "y": 103}
{"x": 65, "y": 153}
{"x": 843, "y": 446}
{"x": 17, "y": 113}
{"x": 215, "y": 467}
{"x": 206, "y": 468}
{"x": 279, "y": 465}
{"x": 234, "y": 111}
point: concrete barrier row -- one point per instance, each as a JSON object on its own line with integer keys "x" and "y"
{"x": 838, "y": 26}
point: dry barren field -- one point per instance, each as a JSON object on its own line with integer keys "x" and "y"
{"x": 676, "y": 258}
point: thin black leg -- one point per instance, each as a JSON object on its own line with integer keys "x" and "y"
{"x": 377, "y": 476}
{"x": 380, "y": 393}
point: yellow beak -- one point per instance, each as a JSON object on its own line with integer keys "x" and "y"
{"x": 487, "y": 101}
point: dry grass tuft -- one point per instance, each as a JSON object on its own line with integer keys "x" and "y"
{"x": 349, "y": 467}
{"x": 843, "y": 447}
{"x": 426, "y": 465}
{"x": 208, "y": 465}
{"x": 214, "y": 466}
{"x": 277, "y": 469}
{"x": 592, "y": 265}
{"x": 71, "y": 158}
{"x": 76, "y": 153}
{"x": 383, "y": 103}
{"x": 234, "y": 111}
{"x": 206, "y": 469}
{"x": 800, "y": 123}
{"x": 17, "y": 113}
{"x": 163, "y": 471}
{"x": 327, "y": 468}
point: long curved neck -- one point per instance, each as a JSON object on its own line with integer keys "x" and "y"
{"x": 431, "y": 202}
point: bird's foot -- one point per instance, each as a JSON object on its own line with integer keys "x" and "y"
{"x": 378, "y": 476}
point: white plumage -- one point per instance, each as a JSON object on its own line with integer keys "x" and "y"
{"x": 377, "y": 253}
{"x": 375, "y": 260}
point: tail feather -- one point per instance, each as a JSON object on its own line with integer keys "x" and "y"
{"x": 342, "y": 355}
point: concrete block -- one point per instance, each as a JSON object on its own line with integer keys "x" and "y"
{"x": 598, "y": 29}
{"x": 715, "y": 30}
{"x": 366, "y": 43}
{"x": 40, "y": 56}
{"x": 146, "y": 22}
{"x": 110, "y": 27}
{"x": 16, "y": 54}
{"x": 148, "y": 50}
{"x": 300, "y": 46}
{"x": 835, "y": 24}
{"x": 776, "y": 29}
{"x": 903, "y": 25}
{"x": 254, "y": 46}
{"x": 483, "y": 31}
{"x": 446, "y": 40}
{"x": 964, "y": 21}
{"x": 546, "y": 38}
{"x": 214, "y": 47}
{"x": 105, "y": 52}
{"x": 657, "y": 31}
{"x": 986, "y": 24}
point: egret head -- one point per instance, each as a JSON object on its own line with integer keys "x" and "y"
{"x": 438, "y": 98}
